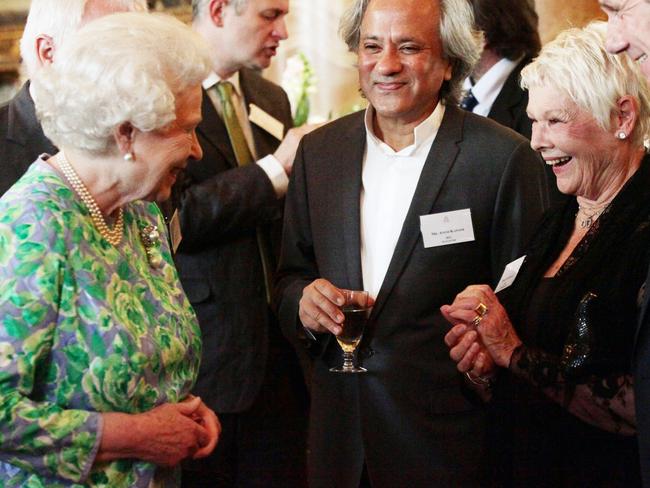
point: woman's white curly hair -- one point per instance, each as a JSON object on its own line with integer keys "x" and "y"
{"x": 125, "y": 67}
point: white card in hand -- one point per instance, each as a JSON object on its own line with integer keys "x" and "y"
{"x": 175, "y": 231}
{"x": 509, "y": 274}
{"x": 444, "y": 228}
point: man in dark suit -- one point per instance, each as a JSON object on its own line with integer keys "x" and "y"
{"x": 229, "y": 207}
{"x": 49, "y": 21}
{"x": 511, "y": 41}
{"x": 628, "y": 31}
{"x": 411, "y": 200}
{"x": 21, "y": 138}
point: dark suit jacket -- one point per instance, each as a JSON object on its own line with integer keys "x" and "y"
{"x": 410, "y": 414}
{"x": 642, "y": 383}
{"x": 220, "y": 205}
{"x": 21, "y": 138}
{"x": 509, "y": 108}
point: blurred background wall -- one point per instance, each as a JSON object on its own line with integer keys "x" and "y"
{"x": 313, "y": 28}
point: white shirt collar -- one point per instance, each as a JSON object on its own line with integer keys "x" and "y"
{"x": 424, "y": 132}
{"x": 487, "y": 89}
{"x": 213, "y": 78}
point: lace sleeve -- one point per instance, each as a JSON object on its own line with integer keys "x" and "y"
{"x": 604, "y": 402}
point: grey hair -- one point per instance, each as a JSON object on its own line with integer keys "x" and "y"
{"x": 461, "y": 43}
{"x": 126, "y": 67}
{"x": 199, "y": 6}
{"x": 576, "y": 55}
{"x": 58, "y": 19}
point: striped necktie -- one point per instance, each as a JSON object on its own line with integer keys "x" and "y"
{"x": 243, "y": 154}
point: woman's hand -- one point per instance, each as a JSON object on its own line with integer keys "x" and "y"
{"x": 165, "y": 435}
{"x": 466, "y": 350}
{"x": 205, "y": 417}
{"x": 494, "y": 328}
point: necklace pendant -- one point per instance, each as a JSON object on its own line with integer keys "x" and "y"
{"x": 586, "y": 223}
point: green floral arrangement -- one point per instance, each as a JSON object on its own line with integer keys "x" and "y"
{"x": 299, "y": 81}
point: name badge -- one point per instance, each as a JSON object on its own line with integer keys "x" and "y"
{"x": 175, "y": 231}
{"x": 509, "y": 274}
{"x": 445, "y": 228}
{"x": 267, "y": 122}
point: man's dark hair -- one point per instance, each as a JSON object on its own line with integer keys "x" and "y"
{"x": 510, "y": 27}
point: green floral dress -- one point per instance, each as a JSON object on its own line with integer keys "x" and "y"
{"x": 85, "y": 327}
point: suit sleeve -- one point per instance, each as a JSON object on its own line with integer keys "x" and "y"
{"x": 224, "y": 205}
{"x": 214, "y": 207}
{"x": 297, "y": 267}
{"x": 522, "y": 198}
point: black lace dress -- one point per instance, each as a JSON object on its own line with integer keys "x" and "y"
{"x": 558, "y": 430}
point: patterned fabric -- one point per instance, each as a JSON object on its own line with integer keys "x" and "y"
{"x": 85, "y": 327}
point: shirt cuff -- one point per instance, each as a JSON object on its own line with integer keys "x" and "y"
{"x": 276, "y": 174}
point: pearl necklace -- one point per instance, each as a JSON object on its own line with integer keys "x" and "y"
{"x": 114, "y": 235}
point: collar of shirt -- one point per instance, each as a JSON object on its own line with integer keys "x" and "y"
{"x": 213, "y": 78}
{"x": 487, "y": 89}
{"x": 424, "y": 133}
{"x": 389, "y": 180}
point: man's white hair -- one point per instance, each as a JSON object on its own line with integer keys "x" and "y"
{"x": 125, "y": 67}
{"x": 577, "y": 64}
{"x": 58, "y": 19}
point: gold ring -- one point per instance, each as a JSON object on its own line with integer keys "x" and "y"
{"x": 477, "y": 320}
{"x": 481, "y": 309}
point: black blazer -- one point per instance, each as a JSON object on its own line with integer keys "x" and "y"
{"x": 21, "y": 138}
{"x": 642, "y": 383}
{"x": 410, "y": 416}
{"x": 509, "y": 108}
{"x": 220, "y": 205}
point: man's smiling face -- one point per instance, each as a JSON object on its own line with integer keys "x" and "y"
{"x": 628, "y": 29}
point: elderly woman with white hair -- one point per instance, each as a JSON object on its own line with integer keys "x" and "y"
{"x": 567, "y": 331}
{"x": 99, "y": 346}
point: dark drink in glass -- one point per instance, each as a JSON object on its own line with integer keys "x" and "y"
{"x": 353, "y": 325}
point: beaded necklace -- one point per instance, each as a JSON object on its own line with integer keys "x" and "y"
{"x": 114, "y": 235}
{"x": 587, "y": 214}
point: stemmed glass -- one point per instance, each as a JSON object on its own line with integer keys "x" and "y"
{"x": 356, "y": 310}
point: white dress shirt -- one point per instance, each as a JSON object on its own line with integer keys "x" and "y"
{"x": 487, "y": 89}
{"x": 269, "y": 163}
{"x": 389, "y": 180}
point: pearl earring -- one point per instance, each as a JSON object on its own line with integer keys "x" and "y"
{"x": 129, "y": 156}
{"x": 621, "y": 135}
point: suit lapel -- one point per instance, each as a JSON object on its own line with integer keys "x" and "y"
{"x": 349, "y": 199}
{"x": 440, "y": 160}
{"x": 214, "y": 130}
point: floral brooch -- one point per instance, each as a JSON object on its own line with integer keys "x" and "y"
{"x": 151, "y": 241}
